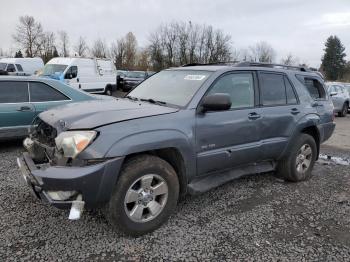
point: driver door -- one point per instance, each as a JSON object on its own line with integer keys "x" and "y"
{"x": 227, "y": 139}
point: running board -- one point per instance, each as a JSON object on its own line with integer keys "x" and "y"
{"x": 203, "y": 184}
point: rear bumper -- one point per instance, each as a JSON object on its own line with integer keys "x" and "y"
{"x": 95, "y": 183}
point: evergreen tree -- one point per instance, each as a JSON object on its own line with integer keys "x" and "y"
{"x": 18, "y": 54}
{"x": 55, "y": 53}
{"x": 333, "y": 62}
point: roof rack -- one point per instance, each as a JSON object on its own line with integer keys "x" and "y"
{"x": 271, "y": 65}
{"x": 229, "y": 63}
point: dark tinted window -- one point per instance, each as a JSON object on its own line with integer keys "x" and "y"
{"x": 240, "y": 87}
{"x": 291, "y": 98}
{"x": 13, "y": 92}
{"x": 11, "y": 68}
{"x": 272, "y": 89}
{"x": 314, "y": 87}
{"x": 19, "y": 68}
{"x": 40, "y": 92}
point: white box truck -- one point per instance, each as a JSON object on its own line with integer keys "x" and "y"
{"x": 20, "y": 66}
{"x": 93, "y": 75}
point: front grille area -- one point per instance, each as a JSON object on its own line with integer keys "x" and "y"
{"x": 44, "y": 133}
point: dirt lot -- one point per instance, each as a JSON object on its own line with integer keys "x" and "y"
{"x": 253, "y": 218}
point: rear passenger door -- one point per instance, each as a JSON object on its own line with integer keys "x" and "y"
{"x": 44, "y": 97}
{"x": 280, "y": 111}
{"x": 16, "y": 113}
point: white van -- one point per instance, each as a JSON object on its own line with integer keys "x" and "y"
{"x": 21, "y": 66}
{"x": 93, "y": 75}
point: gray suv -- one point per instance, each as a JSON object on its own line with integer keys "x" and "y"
{"x": 340, "y": 98}
{"x": 183, "y": 130}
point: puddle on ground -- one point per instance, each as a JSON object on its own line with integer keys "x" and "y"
{"x": 329, "y": 159}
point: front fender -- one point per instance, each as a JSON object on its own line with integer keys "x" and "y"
{"x": 153, "y": 140}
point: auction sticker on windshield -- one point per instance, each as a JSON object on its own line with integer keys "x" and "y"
{"x": 194, "y": 77}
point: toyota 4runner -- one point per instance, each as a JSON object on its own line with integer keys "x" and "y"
{"x": 183, "y": 130}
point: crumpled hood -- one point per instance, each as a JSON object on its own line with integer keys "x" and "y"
{"x": 95, "y": 113}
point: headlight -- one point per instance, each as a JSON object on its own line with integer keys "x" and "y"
{"x": 74, "y": 142}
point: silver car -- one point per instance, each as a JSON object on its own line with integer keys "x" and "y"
{"x": 340, "y": 97}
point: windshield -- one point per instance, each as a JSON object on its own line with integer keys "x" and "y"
{"x": 53, "y": 69}
{"x": 175, "y": 87}
{"x": 3, "y": 66}
{"x": 135, "y": 74}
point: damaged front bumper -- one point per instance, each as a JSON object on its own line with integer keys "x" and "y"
{"x": 92, "y": 184}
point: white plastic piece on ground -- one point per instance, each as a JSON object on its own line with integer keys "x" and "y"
{"x": 76, "y": 209}
{"x": 335, "y": 159}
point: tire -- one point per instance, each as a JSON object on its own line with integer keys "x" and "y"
{"x": 122, "y": 209}
{"x": 108, "y": 91}
{"x": 344, "y": 110}
{"x": 289, "y": 167}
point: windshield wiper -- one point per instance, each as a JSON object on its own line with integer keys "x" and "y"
{"x": 151, "y": 100}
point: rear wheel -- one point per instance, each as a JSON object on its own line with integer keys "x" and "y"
{"x": 144, "y": 196}
{"x": 108, "y": 90}
{"x": 298, "y": 165}
{"x": 344, "y": 110}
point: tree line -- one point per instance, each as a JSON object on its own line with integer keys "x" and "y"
{"x": 171, "y": 44}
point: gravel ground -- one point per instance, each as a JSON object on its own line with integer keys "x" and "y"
{"x": 253, "y": 218}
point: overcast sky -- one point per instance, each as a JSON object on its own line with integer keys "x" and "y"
{"x": 299, "y": 27}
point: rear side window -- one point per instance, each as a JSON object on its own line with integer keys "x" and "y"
{"x": 291, "y": 97}
{"x": 19, "y": 68}
{"x": 40, "y": 92}
{"x": 13, "y": 92}
{"x": 313, "y": 86}
{"x": 272, "y": 89}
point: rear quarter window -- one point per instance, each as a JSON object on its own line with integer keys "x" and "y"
{"x": 313, "y": 86}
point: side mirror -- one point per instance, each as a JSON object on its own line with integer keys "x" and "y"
{"x": 216, "y": 102}
{"x": 333, "y": 93}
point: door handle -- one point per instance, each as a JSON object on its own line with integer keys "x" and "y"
{"x": 294, "y": 111}
{"x": 253, "y": 116}
{"x": 24, "y": 108}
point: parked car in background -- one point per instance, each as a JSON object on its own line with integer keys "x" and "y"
{"x": 20, "y": 66}
{"x": 347, "y": 87}
{"x": 93, "y": 75}
{"x": 131, "y": 79}
{"x": 340, "y": 97}
{"x": 183, "y": 130}
{"x": 22, "y": 99}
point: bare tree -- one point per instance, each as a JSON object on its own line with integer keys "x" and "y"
{"x": 143, "y": 60}
{"x": 64, "y": 43}
{"x": 181, "y": 43}
{"x": 118, "y": 53}
{"x": 48, "y": 46}
{"x": 262, "y": 52}
{"x": 290, "y": 60}
{"x": 130, "y": 50}
{"x": 81, "y": 47}
{"x": 99, "y": 49}
{"x": 29, "y": 35}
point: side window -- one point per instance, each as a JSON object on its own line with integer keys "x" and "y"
{"x": 19, "y": 68}
{"x": 314, "y": 87}
{"x": 13, "y": 92}
{"x": 11, "y": 68}
{"x": 40, "y": 92}
{"x": 72, "y": 72}
{"x": 239, "y": 86}
{"x": 291, "y": 97}
{"x": 272, "y": 89}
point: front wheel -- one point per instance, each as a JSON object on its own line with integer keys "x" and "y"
{"x": 144, "y": 197}
{"x": 298, "y": 165}
{"x": 108, "y": 91}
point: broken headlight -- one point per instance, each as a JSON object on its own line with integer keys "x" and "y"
{"x": 74, "y": 142}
